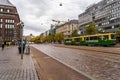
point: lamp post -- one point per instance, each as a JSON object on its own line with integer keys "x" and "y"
{"x": 69, "y": 22}
{"x": 21, "y": 25}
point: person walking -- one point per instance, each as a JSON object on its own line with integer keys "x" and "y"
{"x": 3, "y": 46}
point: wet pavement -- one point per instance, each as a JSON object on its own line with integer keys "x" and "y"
{"x": 95, "y": 65}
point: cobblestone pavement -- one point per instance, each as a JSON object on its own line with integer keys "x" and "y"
{"x": 112, "y": 49}
{"x": 98, "y": 65}
{"x": 13, "y": 68}
{"x": 51, "y": 69}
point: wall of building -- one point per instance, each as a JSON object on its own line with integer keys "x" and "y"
{"x": 67, "y": 28}
{"x": 105, "y": 14}
{"x": 9, "y": 31}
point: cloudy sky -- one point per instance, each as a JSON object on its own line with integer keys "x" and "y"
{"x": 37, "y": 15}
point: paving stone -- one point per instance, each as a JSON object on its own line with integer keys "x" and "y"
{"x": 102, "y": 66}
{"x": 13, "y": 68}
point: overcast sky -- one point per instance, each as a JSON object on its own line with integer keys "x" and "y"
{"x": 37, "y": 15}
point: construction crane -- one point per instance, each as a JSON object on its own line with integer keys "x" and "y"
{"x": 58, "y": 21}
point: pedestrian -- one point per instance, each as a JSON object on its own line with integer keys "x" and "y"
{"x": 3, "y": 46}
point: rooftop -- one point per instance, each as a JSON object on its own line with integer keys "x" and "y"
{"x": 6, "y": 2}
{"x": 69, "y": 22}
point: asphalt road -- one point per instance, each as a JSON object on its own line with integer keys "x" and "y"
{"x": 95, "y": 65}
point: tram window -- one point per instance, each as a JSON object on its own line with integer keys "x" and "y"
{"x": 77, "y": 39}
{"x": 91, "y": 38}
{"x": 94, "y": 38}
{"x": 105, "y": 37}
{"x": 99, "y": 38}
{"x": 80, "y": 39}
{"x": 68, "y": 40}
{"x": 86, "y": 38}
{"x": 113, "y": 36}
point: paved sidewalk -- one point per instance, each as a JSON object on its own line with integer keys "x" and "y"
{"x": 13, "y": 68}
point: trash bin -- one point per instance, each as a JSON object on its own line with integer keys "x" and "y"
{"x": 27, "y": 50}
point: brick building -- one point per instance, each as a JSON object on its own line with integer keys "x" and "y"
{"x": 9, "y": 31}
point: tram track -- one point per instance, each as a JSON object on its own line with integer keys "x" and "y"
{"x": 97, "y": 49}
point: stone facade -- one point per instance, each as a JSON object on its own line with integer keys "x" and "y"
{"x": 67, "y": 28}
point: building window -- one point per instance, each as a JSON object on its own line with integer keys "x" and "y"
{"x": 13, "y": 21}
{"x": 0, "y": 32}
{"x": 9, "y": 26}
{"x": 11, "y": 32}
{"x": 6, "y": 20}
{"x": 6, "y": 32}
{"x": 0, "y": 25}
{"x": 1, "y": 20}
{"x": 9, "y": 21}
{"x": 12, "y": 26}
{"x": 1, "y": 10}
{"x": 8, "y": 10}
{"x": 6, "y": 26}
{"x": 119, "y": 2}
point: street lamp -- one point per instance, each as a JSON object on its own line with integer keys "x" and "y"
{"x": 21, "y": 25}
{"x": 60, "y": 4}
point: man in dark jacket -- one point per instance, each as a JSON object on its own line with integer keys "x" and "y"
{"x": 3, "y": 46}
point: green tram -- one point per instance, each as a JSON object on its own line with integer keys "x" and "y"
{"x": 106, "y": 39}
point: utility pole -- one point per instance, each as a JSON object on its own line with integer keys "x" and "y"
{"x": 21, "y": 25}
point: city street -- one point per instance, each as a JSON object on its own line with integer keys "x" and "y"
{"x": 94, "y": 65}
{"x": 59, "y": 39}
{"x": 51, "y": 69}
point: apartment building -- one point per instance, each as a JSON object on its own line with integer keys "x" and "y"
{"x": 9, "y": 31}
{"x": 67, "y": 28}
{"x": 105, "y": 14}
